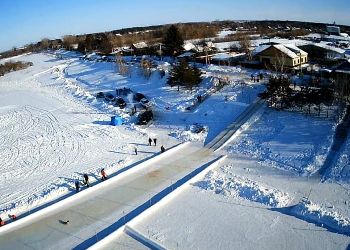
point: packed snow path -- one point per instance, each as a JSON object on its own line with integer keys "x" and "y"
{"x": 95, "y": 216}
{"x": 225, "y": 136}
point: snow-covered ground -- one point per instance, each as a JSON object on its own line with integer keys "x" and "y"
{"x": 53, "y": 129}
{"x": 258, "y": 198}
{"x": 50, "y": 136}
{"x": 264, "y": 195}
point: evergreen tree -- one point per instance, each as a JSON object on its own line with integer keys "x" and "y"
{"x": 185, "y": 75}
{"x": 173, "y": 41}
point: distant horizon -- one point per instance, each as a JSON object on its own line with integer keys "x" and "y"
{"x": 163, "y": 24}
{"x": 29, "y": 21}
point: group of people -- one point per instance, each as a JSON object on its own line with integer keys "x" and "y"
{"x": 86, "y": 181}
{"x": 12, "y": 216}
{"x": 162, "y": 149}
{"x": 150, "y": 141}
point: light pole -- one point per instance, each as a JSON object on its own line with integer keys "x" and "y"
{"x": 300, "y": 62}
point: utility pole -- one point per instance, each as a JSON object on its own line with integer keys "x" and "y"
{"x": 300, "y": 62}
{"x": 160, "y": 51}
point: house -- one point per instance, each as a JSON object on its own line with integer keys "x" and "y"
{"x": 319, "y": 52}
{"x": 333, "y": 30}
{"x": 288, "y": 55}
{"x": 139, "y": 48}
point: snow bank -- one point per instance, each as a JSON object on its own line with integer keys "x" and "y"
{"x": 236, "y": 186}
{"x": 288, "y": 141}
{"x": 322, "y": 216}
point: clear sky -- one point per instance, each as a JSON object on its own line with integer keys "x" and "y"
{"x": 25, "y": 21}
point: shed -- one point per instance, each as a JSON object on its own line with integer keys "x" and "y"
{"x": 116, "y": 120}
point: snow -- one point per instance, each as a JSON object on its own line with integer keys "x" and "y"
{"x": 289, "y": 144}
{"x": 237, "y": 186}
{"x": 58, "y": 127}
{"x": 266, "y": 194}
{"x": 259, "y": 193}
{"x": 225, "y": 32}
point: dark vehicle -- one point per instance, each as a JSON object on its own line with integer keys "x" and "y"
{"x": 145, "y": 103}
{"x": 123, "y": 91}
{"x": 109, "y": 97}
{"x": 138, "y": 97}
{"x": 100, "y": 95}
{"x": 145, "y": 117}
{"x": 119, "y": 102}
{"x": 197, "y": 128}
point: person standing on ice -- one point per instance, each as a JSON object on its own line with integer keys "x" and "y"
{"x": 155, "y": 141}
{"x": 135, "y": 150}
{"x": 149, "y": 141}
{"x": 104, "y": 175}
{"x": 77, "y": 186}
{"x": 162, "y": 149}
{"x": 86, "y": 180}
{"x": 2, "y": 223}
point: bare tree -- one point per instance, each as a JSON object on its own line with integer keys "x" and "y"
{"x": 146, "y": 67}
{"x": 279, "y": 64}
{"x": 69, "y": 40}
{"x": 122, "y": 67}
{"x": 45, "y": 43}
{"x": 245, "y": 44}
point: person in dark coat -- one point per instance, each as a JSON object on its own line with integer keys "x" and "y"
{"x": 86, "y": 180}
{"x": 77, "y": 186}
{"x": 2, "y": 223}
{"x": 149, "y": 141}
{"x": 155, "y": 141}
{"x": 162, "y": 149}
{"x": 135, "y": 149}
{"x": 104, "y": 175}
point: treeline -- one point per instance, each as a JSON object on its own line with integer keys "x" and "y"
{"x": 13, "y": 66}
{"x": 106, "y": 41}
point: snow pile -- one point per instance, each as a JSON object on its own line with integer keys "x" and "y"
{"x": 223, "y": 69}
{"x": 190, "y": 135}
{"x": 341, "y": 167}
{"x": 289, "y": 141}
{"x": 321, "y": 215}
{"x": 235, "y": 186}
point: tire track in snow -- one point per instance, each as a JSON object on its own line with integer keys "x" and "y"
{"x": 33, "y": 141}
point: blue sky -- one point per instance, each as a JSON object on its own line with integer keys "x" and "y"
{"x": 25, "y": 21}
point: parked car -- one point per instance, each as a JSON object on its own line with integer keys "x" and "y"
{"x": 119, "y": 102}
{"x": 100, "y": 95}
{"x": 109, "y": 97}
{"x": 145, "y": 103}
{"x": 138, "y": 97}
{"x": 145, "y": 117}
{"x": 123, "y": 92}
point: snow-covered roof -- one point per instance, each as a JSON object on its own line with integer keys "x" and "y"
{"x": 186, "y": 54}
{"x": 290, "y": 50}
{"x": 189, "y": 46}
{"x": 140, "y": 45}
{"x": 226, "y": 56}
{"x": 327, "y": 47}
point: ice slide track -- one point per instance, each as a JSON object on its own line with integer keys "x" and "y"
{"x": 225, "y": 136}
{"x": 100, "y": 210}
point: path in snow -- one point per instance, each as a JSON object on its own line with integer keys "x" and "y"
{"x": 226, "y": 135}
{"x": 105, "y": 210}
